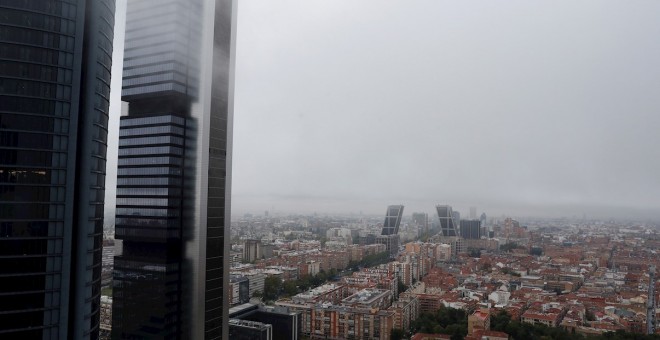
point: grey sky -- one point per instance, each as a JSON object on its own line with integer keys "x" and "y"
{"x": 519, "y": 107}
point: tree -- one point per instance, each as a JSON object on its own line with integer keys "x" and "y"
{"x": 401, "y": 287}
{"x": 397, "y": 334}
{"x": 510, "y": 246}
{"x": 445, "y": 320}
{"x": 590, "y": 315}
{"x": 290, "y": 287}
{"x": 499, "y": 321}
{"x": 272, "y": 288}
{"x": 475, "y": 253}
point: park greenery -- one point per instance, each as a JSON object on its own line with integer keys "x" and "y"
{"x": 453, "y": 322}
{"x": 508, "y": 247}
{"x": 519, "y": 330}
{"x": 274, "y": 287}
{"x": 370, "y": 261}
{"x": 444, "y": 321}
{"x": 509, "y": 271}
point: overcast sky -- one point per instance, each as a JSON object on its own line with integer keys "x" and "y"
{"x": 517, "y": 107}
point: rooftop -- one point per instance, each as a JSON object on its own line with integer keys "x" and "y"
{"x": 366, "y": 296}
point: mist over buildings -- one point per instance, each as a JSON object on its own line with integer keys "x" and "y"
{"x": 522, "y": 108}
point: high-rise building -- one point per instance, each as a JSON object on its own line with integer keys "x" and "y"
{"x": 55, "y": 62}
{"x": 448, "y": 222}
{"x": 471, "y": 229}
{"x": 252, "y": 250}
{"x": 422, "y": 222}
{"x": 392, "y": 220}
{"x": 473, "y": 213}
{"x": 250, "y": 330}
{"x": 389, "y": 235}
{"x": 173, "y": 181}
{"x": 391, "y": 243}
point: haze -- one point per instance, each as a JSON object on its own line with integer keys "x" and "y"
{"x": 545, "y": 108}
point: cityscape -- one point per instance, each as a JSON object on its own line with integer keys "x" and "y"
{"x": 224, "y": 169}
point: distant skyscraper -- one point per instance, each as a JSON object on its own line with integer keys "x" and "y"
{"x": 252, "y": 250}
{"x": 389, "y": 235}
{"x": 473, "y": 213}
{"x": 392, "y": 220}
{"x": 448, "y": 222}
{"x": 422, "y": 222}
{"x": 470, "y": 229}
{"x": 173, "y": 181}
{"x": 55, "y": 62}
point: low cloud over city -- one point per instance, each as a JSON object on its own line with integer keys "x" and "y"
{"x": 542, "y": 108}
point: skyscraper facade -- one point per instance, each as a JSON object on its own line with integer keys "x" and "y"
{"x": 392, "y": 220}
{"x": 448, "y": 220}
{"x": 422, "y": 222}
{"x": 173, "y": 180}
{"x": 389, "y": 236}
{"x": 471, "y": 229}
{"x": 55, "y": 62}
{"x": 473, "y": 213}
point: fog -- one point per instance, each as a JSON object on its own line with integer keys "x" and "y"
{"x": 545, "y": 108}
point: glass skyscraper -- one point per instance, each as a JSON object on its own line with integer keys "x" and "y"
{"x": 449, "y": 222}
{"x": 173, "y": 180}
{"x": 55, "y": 62}
{"x": 392, "y": 220}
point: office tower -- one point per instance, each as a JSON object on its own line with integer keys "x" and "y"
{"x": 250, "y": 330}
{"x": 252, "y": 250}
{"x": 239, "y": 290}
{"x": 391, "y": 243}
{"x": 392, "y": 220}
{"x": 473, "y": 213}
{"x": 389, "y": 235}
{"x": 286, "y": 323}
{"x": 471, "y": 229}
{"x": 422, "y": 222}
{"x": 448, "y": 223}
{"x": 173, "y": 181}
{"x": 55, "y": 62}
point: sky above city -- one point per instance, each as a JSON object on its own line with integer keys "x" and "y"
{"x": 543, "y": 108}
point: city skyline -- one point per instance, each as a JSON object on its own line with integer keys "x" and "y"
{"x": 126, "y": 149}
{"x": 477, "y": 105}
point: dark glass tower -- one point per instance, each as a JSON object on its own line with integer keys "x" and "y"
{"x": 55, "y": 62}
{"x": 389, "y": 236}
{"x": 174, "y": 171}
{"x": 392, "y": 220}
{"x": 471, "y": 229}
{"x": 448, "y": 220}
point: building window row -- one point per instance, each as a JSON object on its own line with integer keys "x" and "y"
{"x": 152, "y": 130}
{"x": 137, "y": 141}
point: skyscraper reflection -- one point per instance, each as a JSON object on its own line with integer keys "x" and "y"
{"x": 174, "y": 173}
